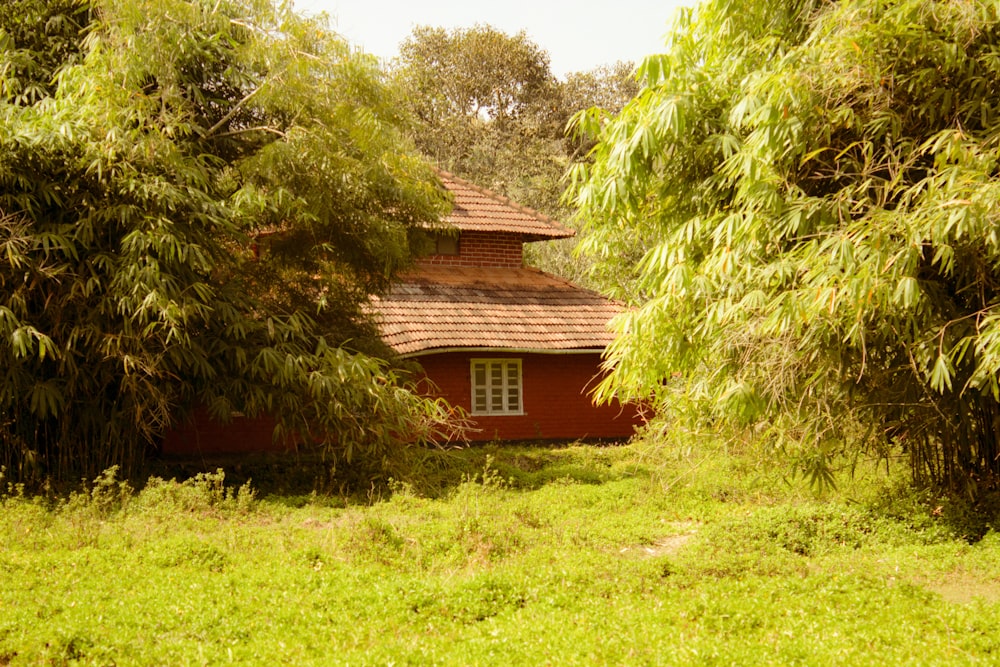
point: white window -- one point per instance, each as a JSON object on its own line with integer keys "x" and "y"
{"x": 496, "y": 387}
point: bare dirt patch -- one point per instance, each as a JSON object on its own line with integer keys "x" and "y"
{"x": 962, "y": 589}
{"x": 664, "y": 546}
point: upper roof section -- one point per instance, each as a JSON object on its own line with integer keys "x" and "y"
{"x": 479, "y": 209}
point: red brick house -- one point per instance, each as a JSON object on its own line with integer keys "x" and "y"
{"x": 518, "y": 349}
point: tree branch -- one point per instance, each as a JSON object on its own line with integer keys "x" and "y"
{"x": 232, "y": 112}
{"x": 259, "y": 128}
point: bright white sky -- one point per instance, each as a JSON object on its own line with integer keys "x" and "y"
{"x": 578, "y": 36}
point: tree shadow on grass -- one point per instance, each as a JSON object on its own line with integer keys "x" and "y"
{"x": 429, "y": 472}
{"x": 522, "y": 466}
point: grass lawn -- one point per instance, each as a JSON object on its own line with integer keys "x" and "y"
{"x": 579, "y": 555}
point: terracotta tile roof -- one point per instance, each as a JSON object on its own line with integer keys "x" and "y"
{"x": 479, "y": 209}
{"x": 521, "y": 308}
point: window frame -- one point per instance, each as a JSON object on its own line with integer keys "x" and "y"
{"x": 489, "y": 386}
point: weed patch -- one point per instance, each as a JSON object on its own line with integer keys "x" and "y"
{"x": 186, "y": 551}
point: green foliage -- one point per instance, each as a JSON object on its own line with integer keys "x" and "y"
{"x": 473, "y": 73}
{"x": 486, "y": 108}
{"x": 203, "y": 493}
{"x": 604, "y": 90}
{"x": 147, "y": 147}
{"x": 38, "y": 37}
{"x": 800, "y": 203}
{"x": 600, "y": 566}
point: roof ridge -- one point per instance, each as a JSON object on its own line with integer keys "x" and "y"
{"x": 507, "y": 201}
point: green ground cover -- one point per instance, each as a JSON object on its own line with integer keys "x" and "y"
{"x": 499, "y": 556}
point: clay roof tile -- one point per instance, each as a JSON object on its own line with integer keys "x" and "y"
{"x": 445, "y": 307}
{"x": 478, "y": 209}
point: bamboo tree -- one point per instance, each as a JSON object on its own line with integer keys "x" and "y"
{"x": 802, "y": 205}
{"x": 141, "y": 154}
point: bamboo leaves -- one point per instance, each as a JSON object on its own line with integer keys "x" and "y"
{"x": 827, "y": 212}
{"x": 142, "y": 145}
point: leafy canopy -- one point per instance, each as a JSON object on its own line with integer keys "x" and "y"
{"x": 801, "y": 203}
{"x": 146, "y": 146}
{"x": 484, "y": 105}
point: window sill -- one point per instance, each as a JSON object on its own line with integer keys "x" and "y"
{"x": 499, "y": 414}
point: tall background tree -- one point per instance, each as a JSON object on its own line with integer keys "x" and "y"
{"x": 802, "y": 204}
{"x": 488, "y": 108}
{"x": 144, "y": 145}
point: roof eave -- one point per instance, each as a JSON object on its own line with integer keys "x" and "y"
{"x": 499, "y": 349}
{"x": 531, "y": 238}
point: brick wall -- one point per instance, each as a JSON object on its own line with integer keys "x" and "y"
{"x": 556, "y": 397}
{"x": 242, "y": 435}
{"x": 483, "y": 249}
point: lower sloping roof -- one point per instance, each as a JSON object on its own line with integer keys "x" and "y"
{"x": 438, "y": 307}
